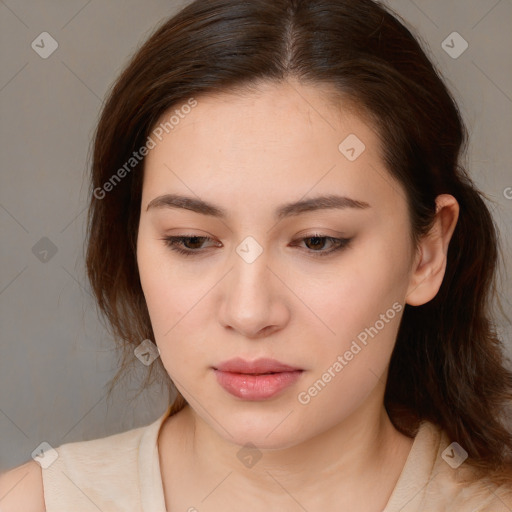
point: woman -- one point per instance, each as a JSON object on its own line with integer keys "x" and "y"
{"x": 278, "y": 211}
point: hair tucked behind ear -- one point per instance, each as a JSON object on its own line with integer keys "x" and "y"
{"x": 447, "y": 365}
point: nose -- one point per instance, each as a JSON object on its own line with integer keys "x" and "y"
{"x": 254, "y": 301}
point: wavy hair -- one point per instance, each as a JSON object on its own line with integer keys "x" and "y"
{"x": 447, "y": 366}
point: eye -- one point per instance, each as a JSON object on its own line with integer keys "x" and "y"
{"x": 181, "y": 244}
{"x": 318, "y": 240}
{"x": 176, "y": 243}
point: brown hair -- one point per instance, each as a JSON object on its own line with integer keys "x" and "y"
{"x": 447, "y": 366}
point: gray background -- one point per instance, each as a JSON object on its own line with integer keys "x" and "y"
{"x": 55, "y": 355}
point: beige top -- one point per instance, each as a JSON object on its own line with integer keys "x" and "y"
{"x": 121, "y": 472}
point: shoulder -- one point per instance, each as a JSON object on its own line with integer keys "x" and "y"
{"x": 437, "y": 476}
{"x": 483, "y": 496}
{"x": 98, "y": 465}
{"x": 98, "y": 471}
{"x": 103, "y": 473}
{"x": 21, "y": 489}
{"x": 454, "y": 478}
{"x": 93, "y": 451}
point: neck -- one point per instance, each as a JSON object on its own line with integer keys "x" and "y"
{"x": 362, "y": 454}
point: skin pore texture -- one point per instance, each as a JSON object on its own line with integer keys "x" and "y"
{"x": 249, "y": 154}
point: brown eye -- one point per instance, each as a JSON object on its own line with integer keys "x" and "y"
{"x": 193, "y": 245}
{"x": 316, "y": 243}
{"x": 186, "y": 245}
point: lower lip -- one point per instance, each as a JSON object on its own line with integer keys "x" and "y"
{"x": 256, "y": 387}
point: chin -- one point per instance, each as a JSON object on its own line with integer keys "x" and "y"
{"x": 273, "y": 430}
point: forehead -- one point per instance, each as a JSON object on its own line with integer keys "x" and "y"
{"x": 261, "y": 110}
{"x": 280, "y": 138}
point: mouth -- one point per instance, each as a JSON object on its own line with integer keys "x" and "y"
{"x": 256, "y": 380}
{"x": 258, "y": 367}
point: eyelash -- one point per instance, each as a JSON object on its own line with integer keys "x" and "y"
{"x": 173, "y": 241}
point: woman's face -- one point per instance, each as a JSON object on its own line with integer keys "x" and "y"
{"x": 271, "y": 280}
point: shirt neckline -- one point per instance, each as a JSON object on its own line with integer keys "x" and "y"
{"x": 417, "y": 468}
{"x": 150, "y": 475}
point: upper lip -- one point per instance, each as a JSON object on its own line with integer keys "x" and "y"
{"x": 263, "y": 365}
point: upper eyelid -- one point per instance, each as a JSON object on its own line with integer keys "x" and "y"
{"x": 179, "y": 238}
{"x": 209, "y": 238}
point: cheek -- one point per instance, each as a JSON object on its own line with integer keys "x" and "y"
{"x": 167, "y": 293}
{"x": 162, "y": 299}
{"x": 338, "y": 304}
{"x": 353, "y": 296}
{"x": 175, "y": 304}
{"x": 363, "y": 307}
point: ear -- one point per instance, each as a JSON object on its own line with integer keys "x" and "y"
{"x": 430, "y": 261}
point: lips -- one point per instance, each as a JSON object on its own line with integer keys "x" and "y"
{"x": 255, "y": 380}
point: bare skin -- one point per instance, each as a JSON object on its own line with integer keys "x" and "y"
{"x": 322, "y": 478}
{"x": 249, "y": 154}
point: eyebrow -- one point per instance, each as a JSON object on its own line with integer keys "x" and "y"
{"x": 327, "y": 202}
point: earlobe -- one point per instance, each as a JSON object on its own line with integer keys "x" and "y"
{"x": 431, "y": 257}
